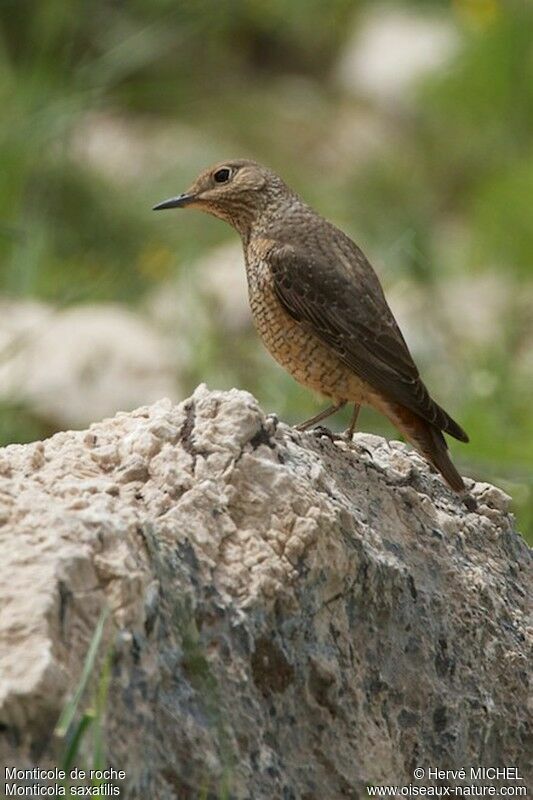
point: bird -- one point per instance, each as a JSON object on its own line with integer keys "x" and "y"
{"x": 319, "y": 307}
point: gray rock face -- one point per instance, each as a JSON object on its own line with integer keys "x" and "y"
{"x": 291, "y": 617}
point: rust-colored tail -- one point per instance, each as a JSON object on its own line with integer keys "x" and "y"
{"x": 429, "y": 441}
{"x": 437, "y": 453}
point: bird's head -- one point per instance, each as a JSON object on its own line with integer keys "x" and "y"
{"x": 236, "y": 191}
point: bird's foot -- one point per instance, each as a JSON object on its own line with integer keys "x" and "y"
{"x": 321, "y": 430}
{"x": 327, "y": 412}
{"x": 349, "y": 432}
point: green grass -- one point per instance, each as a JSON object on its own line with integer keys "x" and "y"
{"x": 80, "y": 721}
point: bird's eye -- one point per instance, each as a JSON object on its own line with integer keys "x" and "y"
{"x": 222, "y": 175}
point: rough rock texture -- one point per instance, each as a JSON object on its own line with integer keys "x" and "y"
{"x": 291, "y": 617}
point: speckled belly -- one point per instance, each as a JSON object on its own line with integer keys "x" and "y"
{"x": 301, "y": 353}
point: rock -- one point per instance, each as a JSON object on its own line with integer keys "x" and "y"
{"x": 223, "y": 283}
{"x": 355, "y": 136}
{"x": 72, "y": 365}
{"x": 126, "y": 150}
{"x": 290, "y": 616}
{"x": 211, "y": 290}
{"x": 392, "y": 49}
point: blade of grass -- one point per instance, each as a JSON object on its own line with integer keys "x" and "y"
{"x": 70, "y": 709}
{"x": 74, "y": 744}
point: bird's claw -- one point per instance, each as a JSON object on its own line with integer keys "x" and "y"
{"x": 321, "y": 430}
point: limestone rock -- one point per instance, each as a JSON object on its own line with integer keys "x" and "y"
{"x": 72, "y": 365}
{"x": 211, "y": 289}
{"x": 129, "y": 150}
{"x": 391, "y": 50}
{"x": 290, "y": 616}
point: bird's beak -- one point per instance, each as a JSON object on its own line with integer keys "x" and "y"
{"x": 175, "y": 202}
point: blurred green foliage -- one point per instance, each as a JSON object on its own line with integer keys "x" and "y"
{"x": 257, "y": 78}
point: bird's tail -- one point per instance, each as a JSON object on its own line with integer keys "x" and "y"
{"x": 437, "y": 453}
{"x": 429, "y": 441}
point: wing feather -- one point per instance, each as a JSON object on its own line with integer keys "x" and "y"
{"x": 353, "y": 318}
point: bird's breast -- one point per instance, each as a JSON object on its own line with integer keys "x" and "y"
{"x": 294, "y": 346}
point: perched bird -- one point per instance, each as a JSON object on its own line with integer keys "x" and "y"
{"x": 319, "y": 306}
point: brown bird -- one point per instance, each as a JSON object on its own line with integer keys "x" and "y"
{"x": 319, "y": 306}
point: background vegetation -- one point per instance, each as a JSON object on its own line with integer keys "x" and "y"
{"x": 108, "y": 107}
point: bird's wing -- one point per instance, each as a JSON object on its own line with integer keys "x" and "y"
{"x": 350, "y": 314}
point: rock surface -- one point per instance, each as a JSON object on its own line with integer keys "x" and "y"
{"x": 290, "y": 617}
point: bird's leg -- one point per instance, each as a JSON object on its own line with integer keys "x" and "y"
{"x": 327, "y": 412}
{"x": 351, "y": 430}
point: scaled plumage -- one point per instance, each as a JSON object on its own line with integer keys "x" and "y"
{"x": 319, "y": 307}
